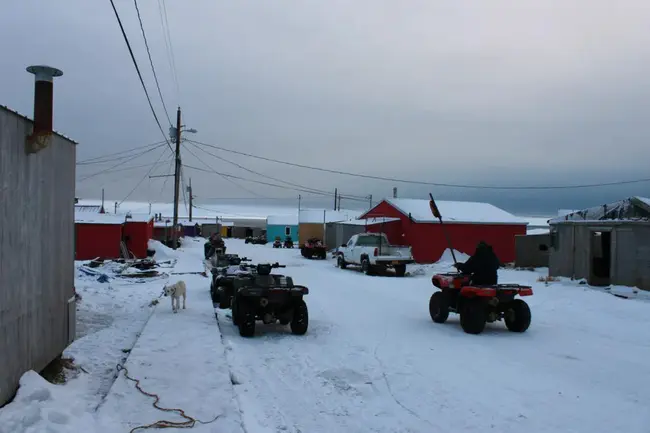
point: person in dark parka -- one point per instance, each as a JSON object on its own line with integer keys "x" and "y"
{"x": 482, "y": 266}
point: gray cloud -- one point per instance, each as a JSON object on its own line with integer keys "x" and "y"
{"x": 499, "y": 92}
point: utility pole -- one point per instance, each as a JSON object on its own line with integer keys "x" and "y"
{"x": 299, "y": 197}
{"x": 336, "y": 193}
{"x": 339, "y": 201}
{"x": 177, "y": 176}
{"x": 115, "y": 207}
{"x": 189, "y": 190}
{"x": 370, "y": 199}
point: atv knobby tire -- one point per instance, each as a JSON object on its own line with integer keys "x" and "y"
{"x": 246, "y": 320}
{"x": 438, "y": 308}
{"x": 300, "y": 320}
{"x": 473, "y": 316}
{"x": 400, "y": 270}
{"x": 225, "y": 301}
{"x": 234, "y": 313}
{"x": 340, "y": 261}
{"x": 517, "y": 316}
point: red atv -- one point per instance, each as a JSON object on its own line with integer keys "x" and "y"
{"x": 478, "y": 305}
{"x": 314, "y": 247}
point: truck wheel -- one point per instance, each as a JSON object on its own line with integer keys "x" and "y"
{"x": 214, "y": 294}
{"x": 473, "y": 317}
{"x": 225, "y": 301}
{"x": 246, "y": 320}
{"x": 323, "y": 255}
{"x": 340, "y": 261}
{"x": 438, "y": 308}
{"x": 400, "y": 270}
{"x": 366, "y": 268}
{"x": 517, "y": 316}
{"x": 300, "y": 320}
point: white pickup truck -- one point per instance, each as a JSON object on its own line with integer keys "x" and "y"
{"x": 373, "y": 253}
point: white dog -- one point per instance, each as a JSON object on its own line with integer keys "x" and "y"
{"x": 175, "y": 291}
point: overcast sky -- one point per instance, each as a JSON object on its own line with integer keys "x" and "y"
{"x": 493, "y": 93}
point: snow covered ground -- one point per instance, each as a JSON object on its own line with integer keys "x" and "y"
{"x": 372, "y": 360}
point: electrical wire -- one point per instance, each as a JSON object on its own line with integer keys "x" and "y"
{"x": 222, "y": 176}
{"x": 114, "y": 169}
{"x": 145, "y": 176}
{"x": 105, "y": 158}
{"x": 137, "y": 68}
{"x": 271, "y": 177}
{"x": 415, "y": 182}
{"x": 170, "y": 47}
{"x": 153, "y": 69}
{"x": 264, "y": 183}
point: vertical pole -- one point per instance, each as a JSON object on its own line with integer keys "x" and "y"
{"x": 149, "y": 208}
{"x": 336, "y": 193}
{"x": 339, "y": 201}
{"x": 177, "y": 177}
{"x": 101, "y": 209}
{"x": 190, "y": 191}
{"x": 116, "y": 207}
{"x": 370, "y": 199}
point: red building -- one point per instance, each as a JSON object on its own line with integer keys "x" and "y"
{"x": 137, "y": 231}
{"x": 97, "y": 235}
{"x": 467, "y": 223}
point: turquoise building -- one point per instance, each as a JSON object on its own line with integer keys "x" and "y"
{"x": 282, "y": 226}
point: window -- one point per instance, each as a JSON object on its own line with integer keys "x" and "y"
{"x": 287, "y": 231}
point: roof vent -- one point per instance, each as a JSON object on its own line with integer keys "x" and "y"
{"x": 43, "y": 103}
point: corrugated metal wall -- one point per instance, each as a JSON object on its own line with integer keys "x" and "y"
{"x": 36, "y": 251}
{"x": 338, "y": 234}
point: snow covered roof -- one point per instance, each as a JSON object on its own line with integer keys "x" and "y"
{"x": 98, "y": 218}
{"x": 140, "y": 218}
{"x": 326, "y": 216}
{"x": 369, "y": 221}
{"x": 87, "y": 208}
{"x": 455, "y": 211}
{"x": 629, "y": 209}
{"x": 282, "y": 220}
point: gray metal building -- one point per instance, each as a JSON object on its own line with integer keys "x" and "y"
{"x": 605, "y": 245}
{"x": 532, "y": 251}
{"x": 339, "y": 233}
{"x": 37, "y": 299}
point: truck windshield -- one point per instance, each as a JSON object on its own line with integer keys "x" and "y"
{"x": 371, "y": 241}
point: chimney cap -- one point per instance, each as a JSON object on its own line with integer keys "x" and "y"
{"x": 43, "y": 72}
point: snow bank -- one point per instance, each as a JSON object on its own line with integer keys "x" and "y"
{"x": 163, "y": 252}
{"x": 448, "y": 258}
{"x": 40, "y": 406}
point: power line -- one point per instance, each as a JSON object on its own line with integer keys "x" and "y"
{"x": 271, "y": 177}
{"x": 145, "y": 177}
{"x": 137, "y": 68}
{"x": 114, "y": 169}
{"x": 170, "y": 47}
{"x": 415, "y": 182}
{"x": 153, "y": 69}
{"x": 265, "y": 183}
{"x": 103, "y": 158}
{"x": 223, "y": 176}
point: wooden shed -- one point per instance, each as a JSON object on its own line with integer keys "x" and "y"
{"x": 37, "y": 295}
{"x": 98, "y": 235}
{"x": 608, "y": 244}
{"x": 466, "y": 222}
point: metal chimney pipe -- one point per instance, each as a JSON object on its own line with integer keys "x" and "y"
{"x": 43, "y": 106}
{"x": 394, "y": 192}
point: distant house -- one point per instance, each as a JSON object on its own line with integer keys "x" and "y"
{"x": 281, "y": 226}
{"x": 607, "y": 244}
{"x": 87, "y": 208}
{"x": 467, "y": 223}
{"x": 37, "y": 295}
{"x": 312, "y": 223}
{"x": 98, "y": 235}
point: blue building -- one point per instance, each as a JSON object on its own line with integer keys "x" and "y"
{"x": 282, "y": 226}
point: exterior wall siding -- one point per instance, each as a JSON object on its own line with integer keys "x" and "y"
{"x": 532, "y": 251}
{"x": 37, "y": 308}
{"x": 98, "y": 240}
{"x": 279, "y": 230}
{"x": 139, "y": 233}
{"x": 630, "y": 260}
{"x": 311, "y": 230}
